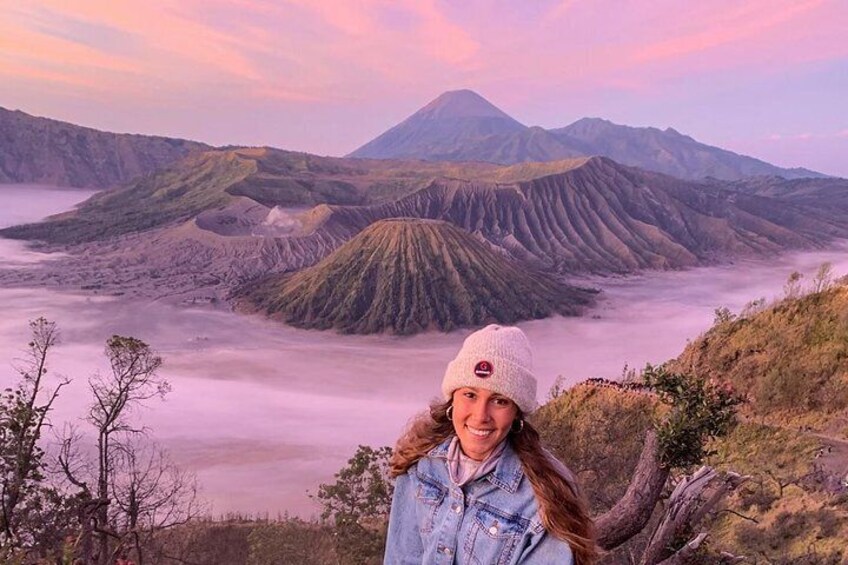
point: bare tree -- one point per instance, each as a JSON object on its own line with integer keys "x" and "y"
{"x": 823, "y": 278}
{"x": 150, "y": 494}
{"x": 792, "y": 286}
{"x": 131, "y": 381}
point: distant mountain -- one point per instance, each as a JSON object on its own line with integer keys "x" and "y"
{"x": 44, "y": 151}
{"x": 827, "y": 193}
{"x": 405, "y": 276}
{"x": 451, "y": 128}
{"x": 665, "y": 151}
{"x": 463, "y": 126}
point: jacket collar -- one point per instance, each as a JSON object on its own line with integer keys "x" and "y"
{"x": 507, "y": 473}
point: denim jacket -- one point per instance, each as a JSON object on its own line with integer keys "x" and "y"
{"x": 493, "y": 520}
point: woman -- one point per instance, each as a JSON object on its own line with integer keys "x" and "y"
{"x": 474, "y": 484}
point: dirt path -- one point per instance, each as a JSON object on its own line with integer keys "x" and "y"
{"x": 833, "y": 455}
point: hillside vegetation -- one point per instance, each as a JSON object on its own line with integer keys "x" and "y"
{"x": 790, "y": 360}
{"x": 792, "y": 509}
{"x": 405, "y": 276}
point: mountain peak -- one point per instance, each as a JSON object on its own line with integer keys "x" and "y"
{"x": 461, "y": 104}
{"x": 442, "y": 129}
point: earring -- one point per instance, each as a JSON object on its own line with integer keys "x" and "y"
{"x": 520, "y": 427}
{"x": 449, "y": 412}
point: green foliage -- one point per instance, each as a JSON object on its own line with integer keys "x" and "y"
{"x": 699, "y": 410}
{"x": 34, "y": 515}
{"x": 358, "y": 504}
{"x": 362, "y": 491}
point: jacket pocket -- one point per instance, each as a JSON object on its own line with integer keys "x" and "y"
{"x": 493, "y": 536}
{"x": 429, "y": 497}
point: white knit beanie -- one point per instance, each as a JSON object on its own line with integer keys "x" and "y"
{"x": 497, "y": 358}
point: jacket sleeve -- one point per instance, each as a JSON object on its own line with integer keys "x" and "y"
{"x": 403, "y": 542}
{"x": 545, "y": 549}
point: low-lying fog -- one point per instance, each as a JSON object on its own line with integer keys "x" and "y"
{"x": 263, "y": 412}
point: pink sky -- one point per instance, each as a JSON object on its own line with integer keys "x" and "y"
{"x": 767, "y": 78}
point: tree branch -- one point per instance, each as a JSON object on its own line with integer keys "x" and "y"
{"x": 630, "y": 515}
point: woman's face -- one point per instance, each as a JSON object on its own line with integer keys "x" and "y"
{"x": 482, "y": 419}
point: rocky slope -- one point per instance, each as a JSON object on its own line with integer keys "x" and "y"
{"x": 463, "y": 126}
{"x": 603, "y": 217}
{"x": 404, "y": 276}
{"x": 44, "y": 151}
{"x": 219, "y": 218}
{"x": 213, "y": 180}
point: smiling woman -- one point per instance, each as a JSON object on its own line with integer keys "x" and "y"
{"x": 474, "y": 484}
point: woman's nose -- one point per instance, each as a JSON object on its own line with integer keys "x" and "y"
{"x": 481, "y": 411}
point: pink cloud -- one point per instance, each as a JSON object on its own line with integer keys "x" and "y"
{"x": 745, "y": 21}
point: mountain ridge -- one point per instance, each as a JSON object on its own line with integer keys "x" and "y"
{"x": 272, "y": 211}
{"x": 46, "y": 151}
{"x": 462, "y": 137}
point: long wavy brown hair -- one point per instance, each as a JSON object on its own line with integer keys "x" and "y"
{"x": 562, "y": 507}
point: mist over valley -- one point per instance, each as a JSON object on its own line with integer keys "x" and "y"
{"x": 256, "y": 403}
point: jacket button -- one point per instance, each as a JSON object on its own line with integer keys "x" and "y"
{"x": 493, "y": 530}
{"x": 457, "y": 508}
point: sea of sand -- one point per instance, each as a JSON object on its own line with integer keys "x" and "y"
{"x": 263, "y": 413}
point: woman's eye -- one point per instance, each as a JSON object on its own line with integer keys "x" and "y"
{"x": 500, "y": 401}
{"x": 468, "y": 394}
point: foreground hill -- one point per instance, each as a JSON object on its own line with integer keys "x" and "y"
{"x": 462, "y": 126}
{"x": 407, "y": 275}
{"x": 790, "y": 511}
{"x": 790, "y": 362}
{"x": 44, "y": 151}
{"x": 790, "y": 359}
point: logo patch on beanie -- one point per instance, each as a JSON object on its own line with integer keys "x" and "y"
{"x": 483, "y": 369}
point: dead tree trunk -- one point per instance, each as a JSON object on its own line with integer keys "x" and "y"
{"x": 630, "y": 515}
{"x": 690, "y": 501}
